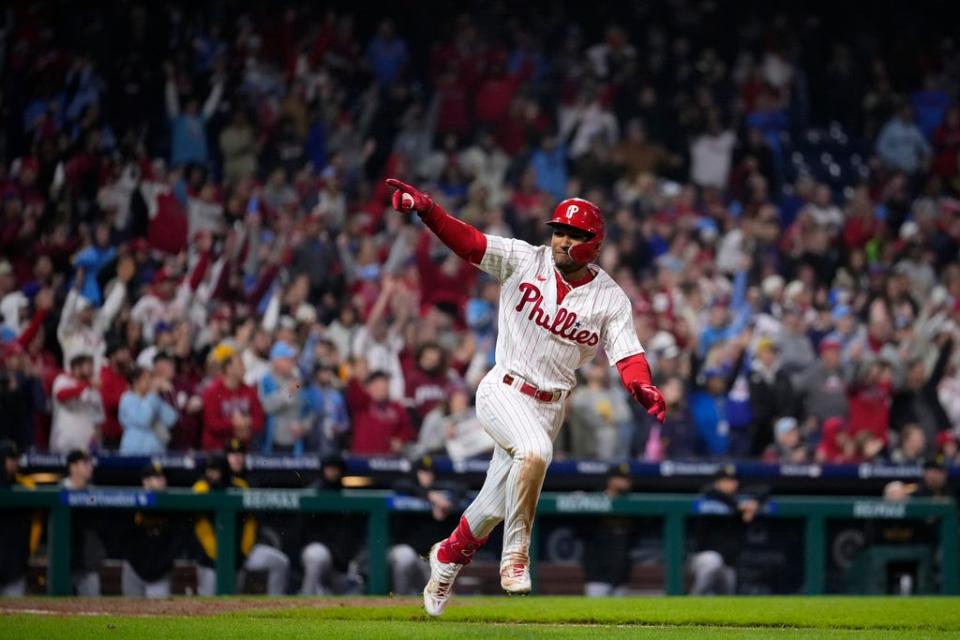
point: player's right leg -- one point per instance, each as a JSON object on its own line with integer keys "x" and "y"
{"x": 87, "y": 583}
{"x": 480, "y": 518}
{"x": 263, "y": 557}
{"x": 131, "y": 584}
{"x": 317, "y": 561}
{"x": 14, "y": 589}
{"x": 206, "y": 581}
{"x": 449, "y": 556}
{"x": 705, "y": 565}
{"x": 406, "y": 576}
{"x": 158, "y": 588}
{"x": 597, "y": 589}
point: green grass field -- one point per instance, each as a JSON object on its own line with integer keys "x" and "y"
{"x": 500, "y": 617}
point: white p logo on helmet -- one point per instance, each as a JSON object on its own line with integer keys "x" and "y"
{"x": 572, "y": 209}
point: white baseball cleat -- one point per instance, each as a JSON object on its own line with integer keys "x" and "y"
{"x": 515, "y": 579}
{"x": 440, "y": 587}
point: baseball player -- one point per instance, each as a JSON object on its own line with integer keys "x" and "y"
{"x": 154, "y": 540}
{"x": 251, "y": 555}
{"x": 556, "y": 310}
{"x": 20, "y": 530}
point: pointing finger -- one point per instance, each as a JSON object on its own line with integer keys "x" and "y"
{"x": 397, "y": 184}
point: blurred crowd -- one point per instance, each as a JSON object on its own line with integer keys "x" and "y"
{"x": 196, "y": 244}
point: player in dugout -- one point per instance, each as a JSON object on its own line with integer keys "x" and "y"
{"x": 251, "y": 555}
{"x": 87, "y": 550}
{"x": 557, "y": 310}
{"x": 19, "y": 530}
{"x": 154, "y": 540}
{"x": 414, "y": 532}
{"x": 331, "y": 546}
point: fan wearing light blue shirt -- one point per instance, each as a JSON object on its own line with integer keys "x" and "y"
{"x": 145, "y": 418}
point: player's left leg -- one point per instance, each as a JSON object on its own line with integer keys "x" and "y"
{"x": 705, "y": 565}
{"x": 14, "y": 589}
{"x": 158, "y": 588}
{"x": 206, "y": 581}
{"x": 537, "y": 425}
{"x": 317, "y": 562}
{"x": 131, "y": 584}
{"x": 275, "y": 562}
{"x": 87, "y": 583}
{"x": 524, "y": 483}
{"x": 406, "y": 575}
{"x": 449, "y": 556}
{"x": 597, "y": 589}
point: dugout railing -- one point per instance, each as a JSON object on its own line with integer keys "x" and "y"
{"x": 674, "y": 510}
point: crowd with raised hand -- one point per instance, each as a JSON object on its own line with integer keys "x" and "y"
{"x": 196, "y": 243}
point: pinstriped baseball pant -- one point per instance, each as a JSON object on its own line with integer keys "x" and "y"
{"x": 524, "y": 430}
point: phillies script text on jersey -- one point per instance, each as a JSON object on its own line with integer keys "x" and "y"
{"x": 542, "y": 338}
{"x": 564, "y": 324}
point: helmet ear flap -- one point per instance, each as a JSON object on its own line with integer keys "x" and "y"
{"x": 585, "y": 252}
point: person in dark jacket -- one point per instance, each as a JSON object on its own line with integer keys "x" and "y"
{"x": 771, "y": 394}
{"x": 21, "y": 396}
{"x": 330, "y": 543}
{"x": 918, "y": 401}
{"x": 606, "y": 560}
{"x": 934, "y": 482}
{"x": 19, "y": 530}
{"x": 87, "y": 551}
{"x": 413, "y": 532}
{"x": 719, "y": 538}
{"x": 154, "y": 541}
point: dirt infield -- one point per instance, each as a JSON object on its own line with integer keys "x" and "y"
{"x": 182, "y": 606}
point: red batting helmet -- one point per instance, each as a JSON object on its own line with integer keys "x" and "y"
{"x": 584, "y": 216}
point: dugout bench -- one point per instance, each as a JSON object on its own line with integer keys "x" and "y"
{"x": 674, "y": 510}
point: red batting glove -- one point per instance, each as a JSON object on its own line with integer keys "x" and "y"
{"x": 651, "y": 398}
{"x": 407, "y": 198}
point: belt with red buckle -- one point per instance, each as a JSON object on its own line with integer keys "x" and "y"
{"x": 530, "y": 390}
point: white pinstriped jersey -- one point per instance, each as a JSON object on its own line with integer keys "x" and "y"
{"x": 542, "y": 341}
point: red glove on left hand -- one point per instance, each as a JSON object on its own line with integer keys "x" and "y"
{"x": 651, "y": 398}
{"x": 415, "y": 199}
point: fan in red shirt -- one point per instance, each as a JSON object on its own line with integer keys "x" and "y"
{"x": 380, "y": 426}
{"x": 231, "y": 409}
{"x": 870, "y": 398}
{"x": 428, "y": 379}
{"x": 113, "y": 382}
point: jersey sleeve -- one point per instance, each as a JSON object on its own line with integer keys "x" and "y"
{"x": 619, "y": 334}
{"x": 504, "y": 256}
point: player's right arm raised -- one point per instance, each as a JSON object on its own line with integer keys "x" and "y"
{"x": 466, "y": 241}
{"x": 499, "y": 257}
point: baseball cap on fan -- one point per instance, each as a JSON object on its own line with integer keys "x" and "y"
{"x": 784, "y": 425}
{"x": 664, "y": 345}
{"x": 830, "y": 342}
{"x": 840, "y": 311}
{"x": 282, "y": 350}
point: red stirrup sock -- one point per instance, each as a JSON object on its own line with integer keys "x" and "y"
{"x": 460, "y": 546}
